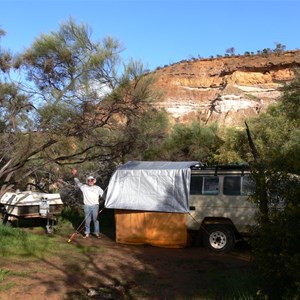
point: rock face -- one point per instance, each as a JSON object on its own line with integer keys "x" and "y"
{"x": 225, "y": 90}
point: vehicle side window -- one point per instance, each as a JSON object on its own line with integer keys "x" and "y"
{"x": 204, "y": 185}
{"x": 248, "y": 185}
{"x": 238, "y": 185}
{"x": 232, "y": 185}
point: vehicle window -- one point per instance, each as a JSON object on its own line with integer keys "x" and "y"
{"x": 238, "y": 185}
{"x": 196, "y": 185}
{"x": 204, "y": 185}
{"x": 248, "y": 185}
{"x": 232, "y": 185}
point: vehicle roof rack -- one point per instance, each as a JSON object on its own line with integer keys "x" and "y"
{"x": 216, "y": 168}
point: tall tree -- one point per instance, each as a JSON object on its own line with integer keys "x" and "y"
{"x": 80, "y": 102}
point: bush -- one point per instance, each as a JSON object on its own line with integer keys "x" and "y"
{"x": 276, "y": 242}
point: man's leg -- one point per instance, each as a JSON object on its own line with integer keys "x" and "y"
{"x": 88, "y": 216}
{"x": 96, "y": 222}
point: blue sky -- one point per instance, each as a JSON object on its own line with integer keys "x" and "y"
{"x": 160, "y": 32}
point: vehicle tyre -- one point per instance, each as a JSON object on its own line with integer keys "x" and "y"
{"x": 218, "y": 238}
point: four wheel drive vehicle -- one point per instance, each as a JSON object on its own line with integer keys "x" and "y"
{"x": 27, "y": 204}
{"x": 220, "y": 210}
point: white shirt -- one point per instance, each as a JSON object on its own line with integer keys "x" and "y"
{"x": 91, "y": 194}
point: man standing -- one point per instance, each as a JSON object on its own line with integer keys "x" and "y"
{"x": 91, "y": 194}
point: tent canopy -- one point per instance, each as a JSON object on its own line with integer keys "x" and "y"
{"x": 160, "y": 186}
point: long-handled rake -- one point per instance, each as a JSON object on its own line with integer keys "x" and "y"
{"x": 79, "y": 228}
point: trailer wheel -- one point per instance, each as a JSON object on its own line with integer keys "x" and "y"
{"x": 218, "y": 238}
{"x": 49, "y": 229}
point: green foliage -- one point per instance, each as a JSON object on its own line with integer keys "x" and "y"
{"x": 277, "y": 132}
{"x": 3, "y": 274}
{"x": 100, "y": 113}
{"x": 228, "y": 285}
{"x": 15, "y": 107}
{"x": 145, "y": 130}
{"x": 5, "y": 56}
{"x": 276, "y": 135}
{"x": 71, "y": 215}
{"x": 80, "y": 108}
{"x": 230, "y": 51}
{"x": 72, "y": 73}
{"x": 235, "y": 147}
{"x": 189, "y": 142}
{"x": 275, "y": 242}
{"x": 279, "y": 48}
{"x": 290, "y": 105}
{"x": 278, "y": 140}
{"x": 67, "y": 60}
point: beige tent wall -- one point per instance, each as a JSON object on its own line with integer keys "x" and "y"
{"x": 159, "y": 229}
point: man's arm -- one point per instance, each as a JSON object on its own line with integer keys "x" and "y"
{"x": 101, "y": 192}
{"x": 77, "y": 181}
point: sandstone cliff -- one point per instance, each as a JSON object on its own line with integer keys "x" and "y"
{"x": 227, "y": 90}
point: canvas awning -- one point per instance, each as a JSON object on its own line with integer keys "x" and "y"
{"x": 160, "y": 186}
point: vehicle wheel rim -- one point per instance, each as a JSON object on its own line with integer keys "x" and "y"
{"x": 217, "y": 240}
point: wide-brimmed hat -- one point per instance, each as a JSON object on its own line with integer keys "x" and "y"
{"x": 91, "y": 178}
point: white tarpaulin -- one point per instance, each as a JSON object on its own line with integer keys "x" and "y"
{"x": 151, "y": 186}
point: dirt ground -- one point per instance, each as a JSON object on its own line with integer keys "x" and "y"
{"x": 108, "y": 270}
